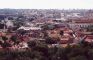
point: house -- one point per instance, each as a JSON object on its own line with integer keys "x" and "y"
{"x": 77, "y": 24}
{"x": 29, "y": 28}
{"x": 89, "y": 38}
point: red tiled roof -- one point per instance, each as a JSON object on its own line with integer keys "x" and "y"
{"x": 83, "y": 21}
{"x": 90, "y": 36}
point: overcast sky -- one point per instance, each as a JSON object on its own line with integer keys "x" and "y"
{"x": 47, "y": 4}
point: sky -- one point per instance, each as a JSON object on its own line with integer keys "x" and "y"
{"x": 47, "y": 4}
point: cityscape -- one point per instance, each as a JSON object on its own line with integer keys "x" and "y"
{"x": 46, "y": 29}
{"x": 46, "y": 34}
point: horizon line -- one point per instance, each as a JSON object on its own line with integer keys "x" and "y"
{"x": 53, "y": 8}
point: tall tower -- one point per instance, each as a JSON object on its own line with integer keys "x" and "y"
{"x": 62, "y": 15}
{"x": 5, "y": 20}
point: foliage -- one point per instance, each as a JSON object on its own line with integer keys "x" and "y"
{"x": 32, "y": 44}
{"x": 13, "y": 38}
{"x": 4, "y": 38}
{"x": 40, "y": 51}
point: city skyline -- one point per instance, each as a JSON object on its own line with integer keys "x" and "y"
{"x": 46, "y": 4}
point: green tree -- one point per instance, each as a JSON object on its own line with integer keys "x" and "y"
{"x": 79, "y": 57}
{"x": 14, "y": 38}
{"x": 32, "y": 44}
{"x": 4, "y": 38}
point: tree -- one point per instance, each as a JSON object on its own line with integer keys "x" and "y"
{"x": 60, "y": 54}
{"x": 2, "y": 26}
{"x": 61, "y": 33}
{"x": 4, "y": 38}
{"x": 5, "y": 45}
{"x": 21, "y": 31}
{"x": 79, "y": 57}
{"x": 84, "y": 43}
{"x": 14, "y": 38}
{"x": 32, "y": 44}
{"x": 49, "y": 40}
